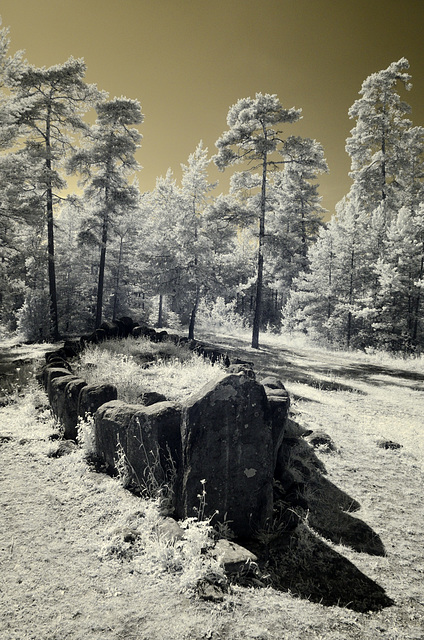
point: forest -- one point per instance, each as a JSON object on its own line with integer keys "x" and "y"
{"x": 263, "y": 256}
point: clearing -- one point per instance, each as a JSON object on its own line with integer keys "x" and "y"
{"x": 58, "y": 581}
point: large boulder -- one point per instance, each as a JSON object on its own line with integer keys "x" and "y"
{"x": 93, "y": 396}
{"x": 228, "y": 455}
{"x": 149, "y": 438}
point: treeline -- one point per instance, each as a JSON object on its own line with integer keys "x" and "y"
{"x": 260, "y": 255}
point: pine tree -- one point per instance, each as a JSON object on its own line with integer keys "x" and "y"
{"x": 107, "y": 162}
{"x": 376, "y": 145}
{"x": 296, "y": 213}
{"x": 253, "y": 137}
{"x": 46, "y": 105}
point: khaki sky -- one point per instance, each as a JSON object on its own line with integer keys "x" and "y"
{"x": 188, "y": 61}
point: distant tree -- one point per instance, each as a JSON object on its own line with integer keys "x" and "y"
{"x": 46, "y": 105}
{"x": 296, "y": 212}
{"x": 331, "y": 299}
{"x": 254, "y": 137}
{"x": 192, "y": 228}
{"x": 398, "y": 321}
{"x": 106, "y": 160}
{"x": 376, "y": 145}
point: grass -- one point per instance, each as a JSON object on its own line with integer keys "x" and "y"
{"x": 137, "y": 367}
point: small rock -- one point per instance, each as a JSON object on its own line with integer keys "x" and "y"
{"x": 232, "y": 555}
{"x": 64, "y": 448}
{"x": 321, "y": 440}
{"x": 170, "y": 530}
{"x": 272, "y": 383}
{"x": 388, "y": 444}
{"x": 212, "y": 587}
{"x": 151, "y": 397}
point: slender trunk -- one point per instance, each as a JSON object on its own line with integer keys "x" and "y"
{"x": 118, "y": 275}
{"x": 259, "y": 280}
{"x": 193, "y": 315}
{"x": 54, "y": 320}
{"x": 418, "y": 300}
{"x": 349, "y": 315}
{"x": 100, "y": 285}
{"x": 160, "y": 312}
{"x": 197, "y": 298}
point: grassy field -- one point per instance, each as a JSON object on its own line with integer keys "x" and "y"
{"x": 69, "y": 572}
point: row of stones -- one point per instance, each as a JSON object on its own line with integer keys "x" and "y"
{"x": 225, "y": 438}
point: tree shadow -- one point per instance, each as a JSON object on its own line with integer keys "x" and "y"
{"x": 306, "y": 369}
{"x": 309, "y": 568}
{"x": 307, "y": 506}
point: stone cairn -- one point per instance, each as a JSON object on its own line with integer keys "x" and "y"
{"x": 226, "y": 438}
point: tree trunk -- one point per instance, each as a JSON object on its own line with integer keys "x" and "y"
{"x": 259, "y": 280}
{"x": 418, "y": 301}
{"x": 54, "y": 320}
{"x": 100, "y": 285}
{"x": 118, "y": 274}
{"x": 160, "y": 312}
{"x": 193, "y": 316}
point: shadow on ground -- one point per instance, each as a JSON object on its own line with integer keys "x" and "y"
{"x": 309, "y": 511}
{"x": 301, "y": 367}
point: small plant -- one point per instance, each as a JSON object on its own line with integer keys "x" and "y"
{"x": 86, "y": 435}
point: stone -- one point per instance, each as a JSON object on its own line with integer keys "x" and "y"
{"x": 63, "y": 448}
{"x": 99, "y": 336}
{"x": 169, "y": 530}
{"x": 388, "y": 444}
{"x": 69, "y": 416}
{"x": 72, "y": 348}
{"x": 93, "y": 396}
{"x": 50, "y": 373}
{"x": 246, "y": 369}
{"x": 278, "y": 411}
{"x": 56, "y": 394}
{"x": 212, "y": 587}
{"x": 127, "y": 323}
{"x": 320, "y": 439}
{"x": 148, "y": 436}
{"x": 161, "y": 336}
{"x": 151, "y": 397}
{"x": 56, "y": 363}
{"x": 295, "y": 430}
{"x": 228, "y": 452}
{"x": 232, "y": 556}
{"x": 272, "y": 383}
{"x": 111, "y": 329}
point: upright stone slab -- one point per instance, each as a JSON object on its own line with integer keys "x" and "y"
{"x": 149, "y": 437}
{"x": 50, "y": 373}
{"x": 69, "y": 416}
{"x": 56, "y": 394}
{"x": 93, "y": 396}
{"x": 228, "y": 450}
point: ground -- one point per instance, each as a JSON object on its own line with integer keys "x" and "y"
{"x": 60, "y": 581}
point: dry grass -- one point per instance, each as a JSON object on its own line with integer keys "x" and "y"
{"x": 138, "y": 366}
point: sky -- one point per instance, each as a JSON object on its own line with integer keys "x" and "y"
{"x": 188, "y": 61}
